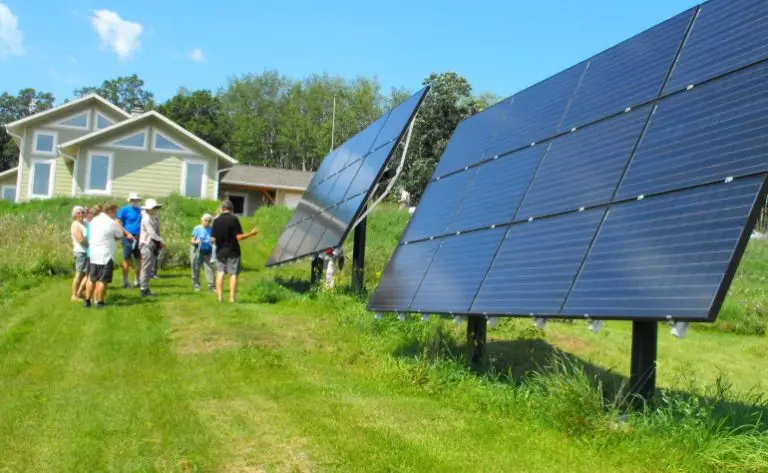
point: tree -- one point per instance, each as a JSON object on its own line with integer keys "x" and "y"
{"x": 201, "y": 113}
{"x": 16, "y": 107}
{"x": 487, "y": 99}
{"x": 450, "y": 101}
{"x": 126, "y": 92}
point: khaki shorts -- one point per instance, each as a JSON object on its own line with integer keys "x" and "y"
{"x": 81, "y": 263}
{"x": 229, "y": 265}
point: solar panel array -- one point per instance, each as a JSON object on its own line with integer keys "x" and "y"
{"x": 342, "y": 185}
{"x": 623, "y": 187}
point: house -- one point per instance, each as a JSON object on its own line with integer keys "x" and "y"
{"x": 249, "y": 187}
{"x": 91, "y": 147}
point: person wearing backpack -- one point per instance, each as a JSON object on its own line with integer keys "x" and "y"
{"x": 202, "y": 252}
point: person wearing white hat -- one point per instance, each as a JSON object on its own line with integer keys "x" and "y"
{"x": 129, "y": 217}
{"x": 150, "y": 242}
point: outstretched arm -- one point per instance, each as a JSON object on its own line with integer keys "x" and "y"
{"x": 244, "y": 236}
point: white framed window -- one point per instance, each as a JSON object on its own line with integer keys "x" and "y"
{"x": 78, "y": 121}
{"x": 163, "y": 144}
{"x": 44, "y": 142}
{"x": 41, "y": 177}
{"x": 102, "y": 121}
{"x": 194, "y": 178}
{"x": 98, "y": 173}
{"x": 8, "y": 193}
{"x": 136, "y": 140}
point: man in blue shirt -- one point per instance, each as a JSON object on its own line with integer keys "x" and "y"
{"x": 202, "y": 250}
{"x": 129, "y": 217}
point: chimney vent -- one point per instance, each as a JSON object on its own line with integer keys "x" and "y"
{"x": 136, "y": 111}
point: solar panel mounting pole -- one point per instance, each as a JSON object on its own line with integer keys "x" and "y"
{"x": 642, "y": 378}
{"x": 476, "y": 337}
{"x": 358, "y": 255}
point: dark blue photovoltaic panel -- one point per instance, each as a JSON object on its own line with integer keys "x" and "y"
{"x": 298, "y": 232}
{"x": 494, "y": 194}
{"x": 368, "y": 172}
{"x": 282, "y": 243}
{"x": 438, "y": 206}
{"x": 727, "y": 35}
{"x": 398, "y": 120}
{"x": 537, "y": 264}
{"x": 707, "y": 134}
{"x": 583, "y": 168}
{"x": 629, "y": 74}
{"x": 312, "y": 237}
{"x": 665, "y": 255}
{"x": 403, "y": 275}
{"x": 456, "y": 272}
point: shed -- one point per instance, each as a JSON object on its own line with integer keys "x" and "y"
{"x": 250, "y": 187}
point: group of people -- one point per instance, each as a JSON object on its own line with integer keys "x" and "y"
{"x": 96, "y": 231}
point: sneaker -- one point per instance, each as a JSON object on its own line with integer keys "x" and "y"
{"x": 99, "y": 305}
{"x": 136, "y": 283}
{"x": 87, "y": 303}
{"x": 126, "y": 285}
{"x": 211, "y": 289}
{"x": 197, "y": 289}
{"x": 147, "y": 293}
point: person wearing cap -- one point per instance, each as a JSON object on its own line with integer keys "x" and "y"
{"x": 150, "y": 242}
{"x": 202, "y": 250}
{"x": 129, "y": 217}
{"x": 80, "y": 244}
{"x": 227, "y": 234}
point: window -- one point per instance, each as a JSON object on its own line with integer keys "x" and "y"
{"x": 9, "y": 193}
{"x": 102, "y": 121}
{"x": 99, "y": 173}
{"x": 41, "y": 178}
{"x": 137, "y": 140}
{"x": 193, "y": 178}
{"x": 165, "y": 144}
{"x": 45, "y": 142}
{"x": 77, "y": 121}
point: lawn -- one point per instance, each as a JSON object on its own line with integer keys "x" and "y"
{"x": 295, "y": 380}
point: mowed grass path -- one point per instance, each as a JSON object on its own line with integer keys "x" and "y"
{"x": 182, "y": 384}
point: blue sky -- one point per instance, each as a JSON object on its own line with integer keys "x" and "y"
{"x": 499, "y": 45}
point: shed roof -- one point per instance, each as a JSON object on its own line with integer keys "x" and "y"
{"x": 260, "y": 176}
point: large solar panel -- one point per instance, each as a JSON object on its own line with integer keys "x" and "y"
{"x": 623, "y": 187}
{"x": 343, "y": 184}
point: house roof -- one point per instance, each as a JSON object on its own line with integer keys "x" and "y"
{"x": 8, "y": 172}
{"x": 74, "y": 103}
{"x": 259, "y": 176}
{"x": 142, "y": 118}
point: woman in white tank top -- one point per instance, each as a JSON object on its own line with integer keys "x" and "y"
{"x": 79, "y": 244}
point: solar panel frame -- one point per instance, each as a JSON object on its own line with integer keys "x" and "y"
{"x": 326, "y": 206}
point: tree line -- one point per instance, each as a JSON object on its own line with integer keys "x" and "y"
{"x": 269, "y": 119}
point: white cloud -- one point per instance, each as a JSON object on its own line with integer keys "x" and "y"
{"x": 121, "y": 36}
{"x": 11, "y": 37}
{"x": 197, "y": 55}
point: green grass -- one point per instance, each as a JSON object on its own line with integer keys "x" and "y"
{"x": 293, "y": 379}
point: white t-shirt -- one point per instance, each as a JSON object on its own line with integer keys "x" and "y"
{"x": 102, "y": 242}
{"x": 78, "y": 248}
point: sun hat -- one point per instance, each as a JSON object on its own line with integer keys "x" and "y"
{"x": 133, "y": 196}
{"x": 150, "y": 204}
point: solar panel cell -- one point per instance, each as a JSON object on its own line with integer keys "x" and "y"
{"x": 665, "y": 255}
{"x": 583, "y": 168}
{"x": 369, "y": 170}
{"x": 456, "y": 272}
{"x": 438, "y": 205}
{"x": 727, "y": 35}
{"x": 704, "y": 135}
{"x": 403, "y": 275}
{"x": 536, "y": 265}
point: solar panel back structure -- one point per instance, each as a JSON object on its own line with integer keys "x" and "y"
{"x": 340, "y": 189}
{"x": 624, "y": 187}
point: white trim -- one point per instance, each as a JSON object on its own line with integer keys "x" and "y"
{"x": 8, "y": 172}
{"x": 67, "y": 105}
{"x": 264, "y": 186}
{"x": 145, "y": 132}
{"x": 51, "y": 180}
{"x": 39, "y": 132}
{"x": 7, "y": 186}
{"x": 96, "y": 120}
{"x": 245, "y": 201}
{"x": 154, "y": 148}
{"x": 21, "y": 166}
{"x": 146, "y": 116}
{"x": 186, "y": 162}
{"x": 110, "y": 170}
{"x": 87, "y": 113}
{"x": 75, "y": 169}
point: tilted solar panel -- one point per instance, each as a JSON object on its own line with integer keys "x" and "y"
{"x": 638, "y": 203}
{"x": 342, "y": 185}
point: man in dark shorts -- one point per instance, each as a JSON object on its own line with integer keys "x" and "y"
{"x": 129, "y": 217}
{"x": 103, "y": 234}
{"x": 227, "y": 234}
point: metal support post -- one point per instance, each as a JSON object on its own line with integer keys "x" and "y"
{"x": 358, "y": 256}
{"x": 642, "y": 378}
{"x": 476, "y": 336}
{"x": 317, "y": 270}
